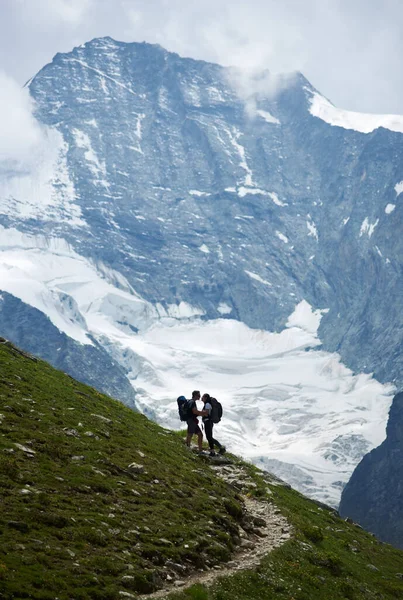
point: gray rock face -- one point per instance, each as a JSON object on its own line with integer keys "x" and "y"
{"x": 374, "y": 495}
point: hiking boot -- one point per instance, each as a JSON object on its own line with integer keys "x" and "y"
{"x": 212, "y": 453}
{"x": 222, "y": 450}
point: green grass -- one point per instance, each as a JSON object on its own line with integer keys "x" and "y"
{"x": 77, "y": 523}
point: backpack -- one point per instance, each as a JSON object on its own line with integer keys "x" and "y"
{"x": 216, "y": 410}
{"x": 184, "y": 408}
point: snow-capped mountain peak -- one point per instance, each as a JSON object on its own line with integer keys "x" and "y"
{"x": 187, "y": 232}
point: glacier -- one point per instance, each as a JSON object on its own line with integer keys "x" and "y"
{"x": 173, "y": 235}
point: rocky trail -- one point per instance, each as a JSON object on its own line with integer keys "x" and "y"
{"x": 263, "y": 529}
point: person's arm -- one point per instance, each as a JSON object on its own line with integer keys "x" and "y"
{"x": 200, "y": 413}
{"x": 206, "y": 410}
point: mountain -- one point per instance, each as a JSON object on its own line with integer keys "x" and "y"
{"x": 374, "y": 495}
{"x": 99, "y": 502}
{"x": 184, "y": 233}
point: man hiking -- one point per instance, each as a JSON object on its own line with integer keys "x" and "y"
{"x": 193, "y": 422}
{"x": 209, "y": 424}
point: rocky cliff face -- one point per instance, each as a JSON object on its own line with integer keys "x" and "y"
{"x": 374, "y": 495}
{"x": 160, "y": 172}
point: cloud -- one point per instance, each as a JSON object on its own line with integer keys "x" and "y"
{"x": 68, "y": 12}
{"x": 20, "y": 132}
{"x": 253, "y": 85}
{"x": 350, "y": 51}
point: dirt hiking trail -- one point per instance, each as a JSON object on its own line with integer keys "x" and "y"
{"x": 263, "y": 529}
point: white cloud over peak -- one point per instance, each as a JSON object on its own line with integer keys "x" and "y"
{"x": 70, "y": 12}
{"x": 350, "y": 51}
{"x": 20, "y": 131}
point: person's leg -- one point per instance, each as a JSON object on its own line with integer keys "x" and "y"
{"x": 200, "y": 441}
{"x": 208, "y": 428}
{"x": 221, "y": 448}
{"x": 214, "y": 442}
{"x": 191, "y": 432}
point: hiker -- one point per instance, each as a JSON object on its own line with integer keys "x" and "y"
{"x": 208, "y": 422}
{"x": 193, "y": 422}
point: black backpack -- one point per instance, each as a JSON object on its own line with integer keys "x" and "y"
{"x": 216, "y": 410}
{"x": 184, "y": 408}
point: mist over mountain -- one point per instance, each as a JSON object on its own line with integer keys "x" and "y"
{"x": 164, "y": 207}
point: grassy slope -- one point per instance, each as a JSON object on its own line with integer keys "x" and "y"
{"x": 328, "y": 559}
{"x": 76, "y": 522}
{"x": 87, "y": 520}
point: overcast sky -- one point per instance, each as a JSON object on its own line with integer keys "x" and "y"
{"x": 350, "y": 50}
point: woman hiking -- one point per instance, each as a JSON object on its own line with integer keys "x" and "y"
{"x": 208, "y": 425}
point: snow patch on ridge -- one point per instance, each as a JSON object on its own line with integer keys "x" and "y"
{"x": 234, "y": 136}
{"x": 367, "y": 227}
{"x": 258, "y": 278}
{"x": 305, "y": 318}
{"x": 399, "y": 188}
{"x": 183, "y": 310}
{"x": 224, "y": 309}
{"x": 83, "y": 142}
{"x": 243, "y": 191}
{"x": 364, "y": 123}
{"x": 198, "y": 193}
{"x": 312, "y": 229}
{"x": 282, "y": 237}
{"x": 276, "y": 199}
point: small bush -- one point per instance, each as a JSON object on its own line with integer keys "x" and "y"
{"x": 234, "y": 509}
{"x": 347, "y": 590}
{"x": 219, "y": 553}
{"x": 106, "y": 565}
{"x": 9, "y": 468}
{"x": 102, "y": 488}
{"x": 51, "y": 519}
{"x": 94, "y": 537}
{"x": 144, "y": 582}
{"x": 55, "y": 451}
{"x": 313, "y": 534}
{"x": 329, "y": 561}
{"x": 153, "y": 554}
{"x": 197, "y": 592}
